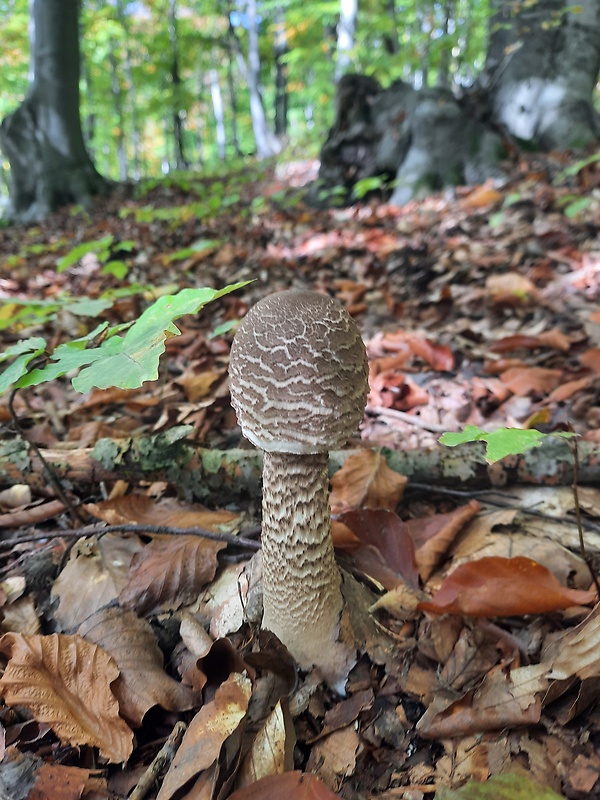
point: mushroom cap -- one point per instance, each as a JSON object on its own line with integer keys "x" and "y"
{"x": 298, "y": 373}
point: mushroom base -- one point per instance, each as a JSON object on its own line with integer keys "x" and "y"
{"x": 301, "y": 581}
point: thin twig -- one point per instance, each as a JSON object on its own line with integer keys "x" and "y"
{"x": 163, "y": 759}
{"x": 46, "y": 468}
{"x": 585, "y": 523}
{"x": 98, "y": 530}
{"x": 411, "y": 419}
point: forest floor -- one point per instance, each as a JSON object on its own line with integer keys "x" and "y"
{"x": 478, "y": 307}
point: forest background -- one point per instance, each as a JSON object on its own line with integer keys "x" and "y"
{"x": 168, "y": 84}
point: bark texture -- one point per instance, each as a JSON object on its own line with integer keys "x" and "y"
{"x": 541, "y": 69}
{"x": 301, "y": 582}
{"x": 42, "y": 139}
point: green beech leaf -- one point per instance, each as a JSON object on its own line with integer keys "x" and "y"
{"x": 502, "y": 442}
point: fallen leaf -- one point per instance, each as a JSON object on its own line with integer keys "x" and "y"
{"x": 509, "y": 288}
{"x": 385, "y": 532}
{"x": 531, "y": 380}
{"x": 290, "y": 785}
{"x": 272, "y": 751}
{"x": 143, "y": 682}
{"x": 481, "y": 197}
{"x": 503, "y": 587}
{"x": 206, "y": 734}
{"x": 139, "y": 509}
{"x": 502, "y": 701}
{"x": 366, "y": 481}
{"x": 554, "y": 338}
{"x": 65, "y": 682}
{"x": 433, "y": 535}
{"x": 591, "y": 359}
{"x": 93, "y": 577}
{"x": 170, "y": 572}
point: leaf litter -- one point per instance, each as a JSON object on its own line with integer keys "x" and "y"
{"x": 476, "y": 311}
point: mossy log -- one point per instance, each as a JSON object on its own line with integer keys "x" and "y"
{"x": 224, "y": 476}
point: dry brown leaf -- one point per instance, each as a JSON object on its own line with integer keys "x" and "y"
{"x": 509, "y": 288}
{"x": 65, "y": 682}
{"x": 568, "y": 389}
{"x": 27, "y": 776}
{"x": 206, "y": 734}
{"x": 366, "y": 481}
{"x": 334, "y": 757}
{"x": 434, "y": 535}
{"x": 170, "y": 572}
{"x": 531, "y": 380}
{"x": 502, "y": 701}
{"x": 481, "y": 197}
{"x": 140, "y": 510}
{"x": 197, "y": 385}
{"x": 575, "y": 652}
{"x": 503, "y": 587}
{"x": 591, "y": 359}
{"x": 272, "y": 751}
{"x": 291, "y": 786}
{"x": 143, "y": 682}
{"x": 93, "y": 577}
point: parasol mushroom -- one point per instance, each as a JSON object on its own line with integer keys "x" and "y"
{"x": 298, "y": 377}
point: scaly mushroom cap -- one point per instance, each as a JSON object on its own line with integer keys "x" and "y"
{"x": 298, "y": 373}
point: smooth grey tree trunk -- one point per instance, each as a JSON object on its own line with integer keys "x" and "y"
{"x": 117, "y": 94}
{"x": 217, "y": 103}
{"x": 281, "y": 92}
{"x": 267, "y": 144}
{"x": 42, "y": 139}
{"x": 131, "y": 91}
{"x": 541, "y": 70}
{"x": 346, "y": 30}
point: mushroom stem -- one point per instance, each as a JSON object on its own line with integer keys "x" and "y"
{"x": 301, "y": 581}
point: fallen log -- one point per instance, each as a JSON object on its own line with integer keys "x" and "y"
{"x": 223, "y": 476}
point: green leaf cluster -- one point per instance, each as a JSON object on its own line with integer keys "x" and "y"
{"x": 119, "y": 360}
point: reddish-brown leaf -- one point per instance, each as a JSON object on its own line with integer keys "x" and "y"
{"x": 366, "y": 481}
{"x": 386, "y": 534}
{"x": 591, "y": 359}
{"x": 65, "y": 682}
{"x": 438, "y": 356}
{"x": 170, "y": 572}
{"x": 502, "y": 587}
{"x": 290, "y": 785}
{"x": 554, "y": 339}
{"x": 531, "y": 380}
{"x": 433, "y": 535}
{"x": 481, "y": 197}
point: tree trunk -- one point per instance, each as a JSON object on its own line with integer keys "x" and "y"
{"x": 345, "y": 36}
{"x": 117, "y": 94}
{"x": 267, "y": 143}
{"x": 131, "y": 91}
{"x": 42, "y": 139}
{"x": 281, "y": 93}
{"x": 542, "y": 67}
{"x": 537, "y": 86}
{"x": 181, "y": 161}
{"x": 217, "y": 103}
